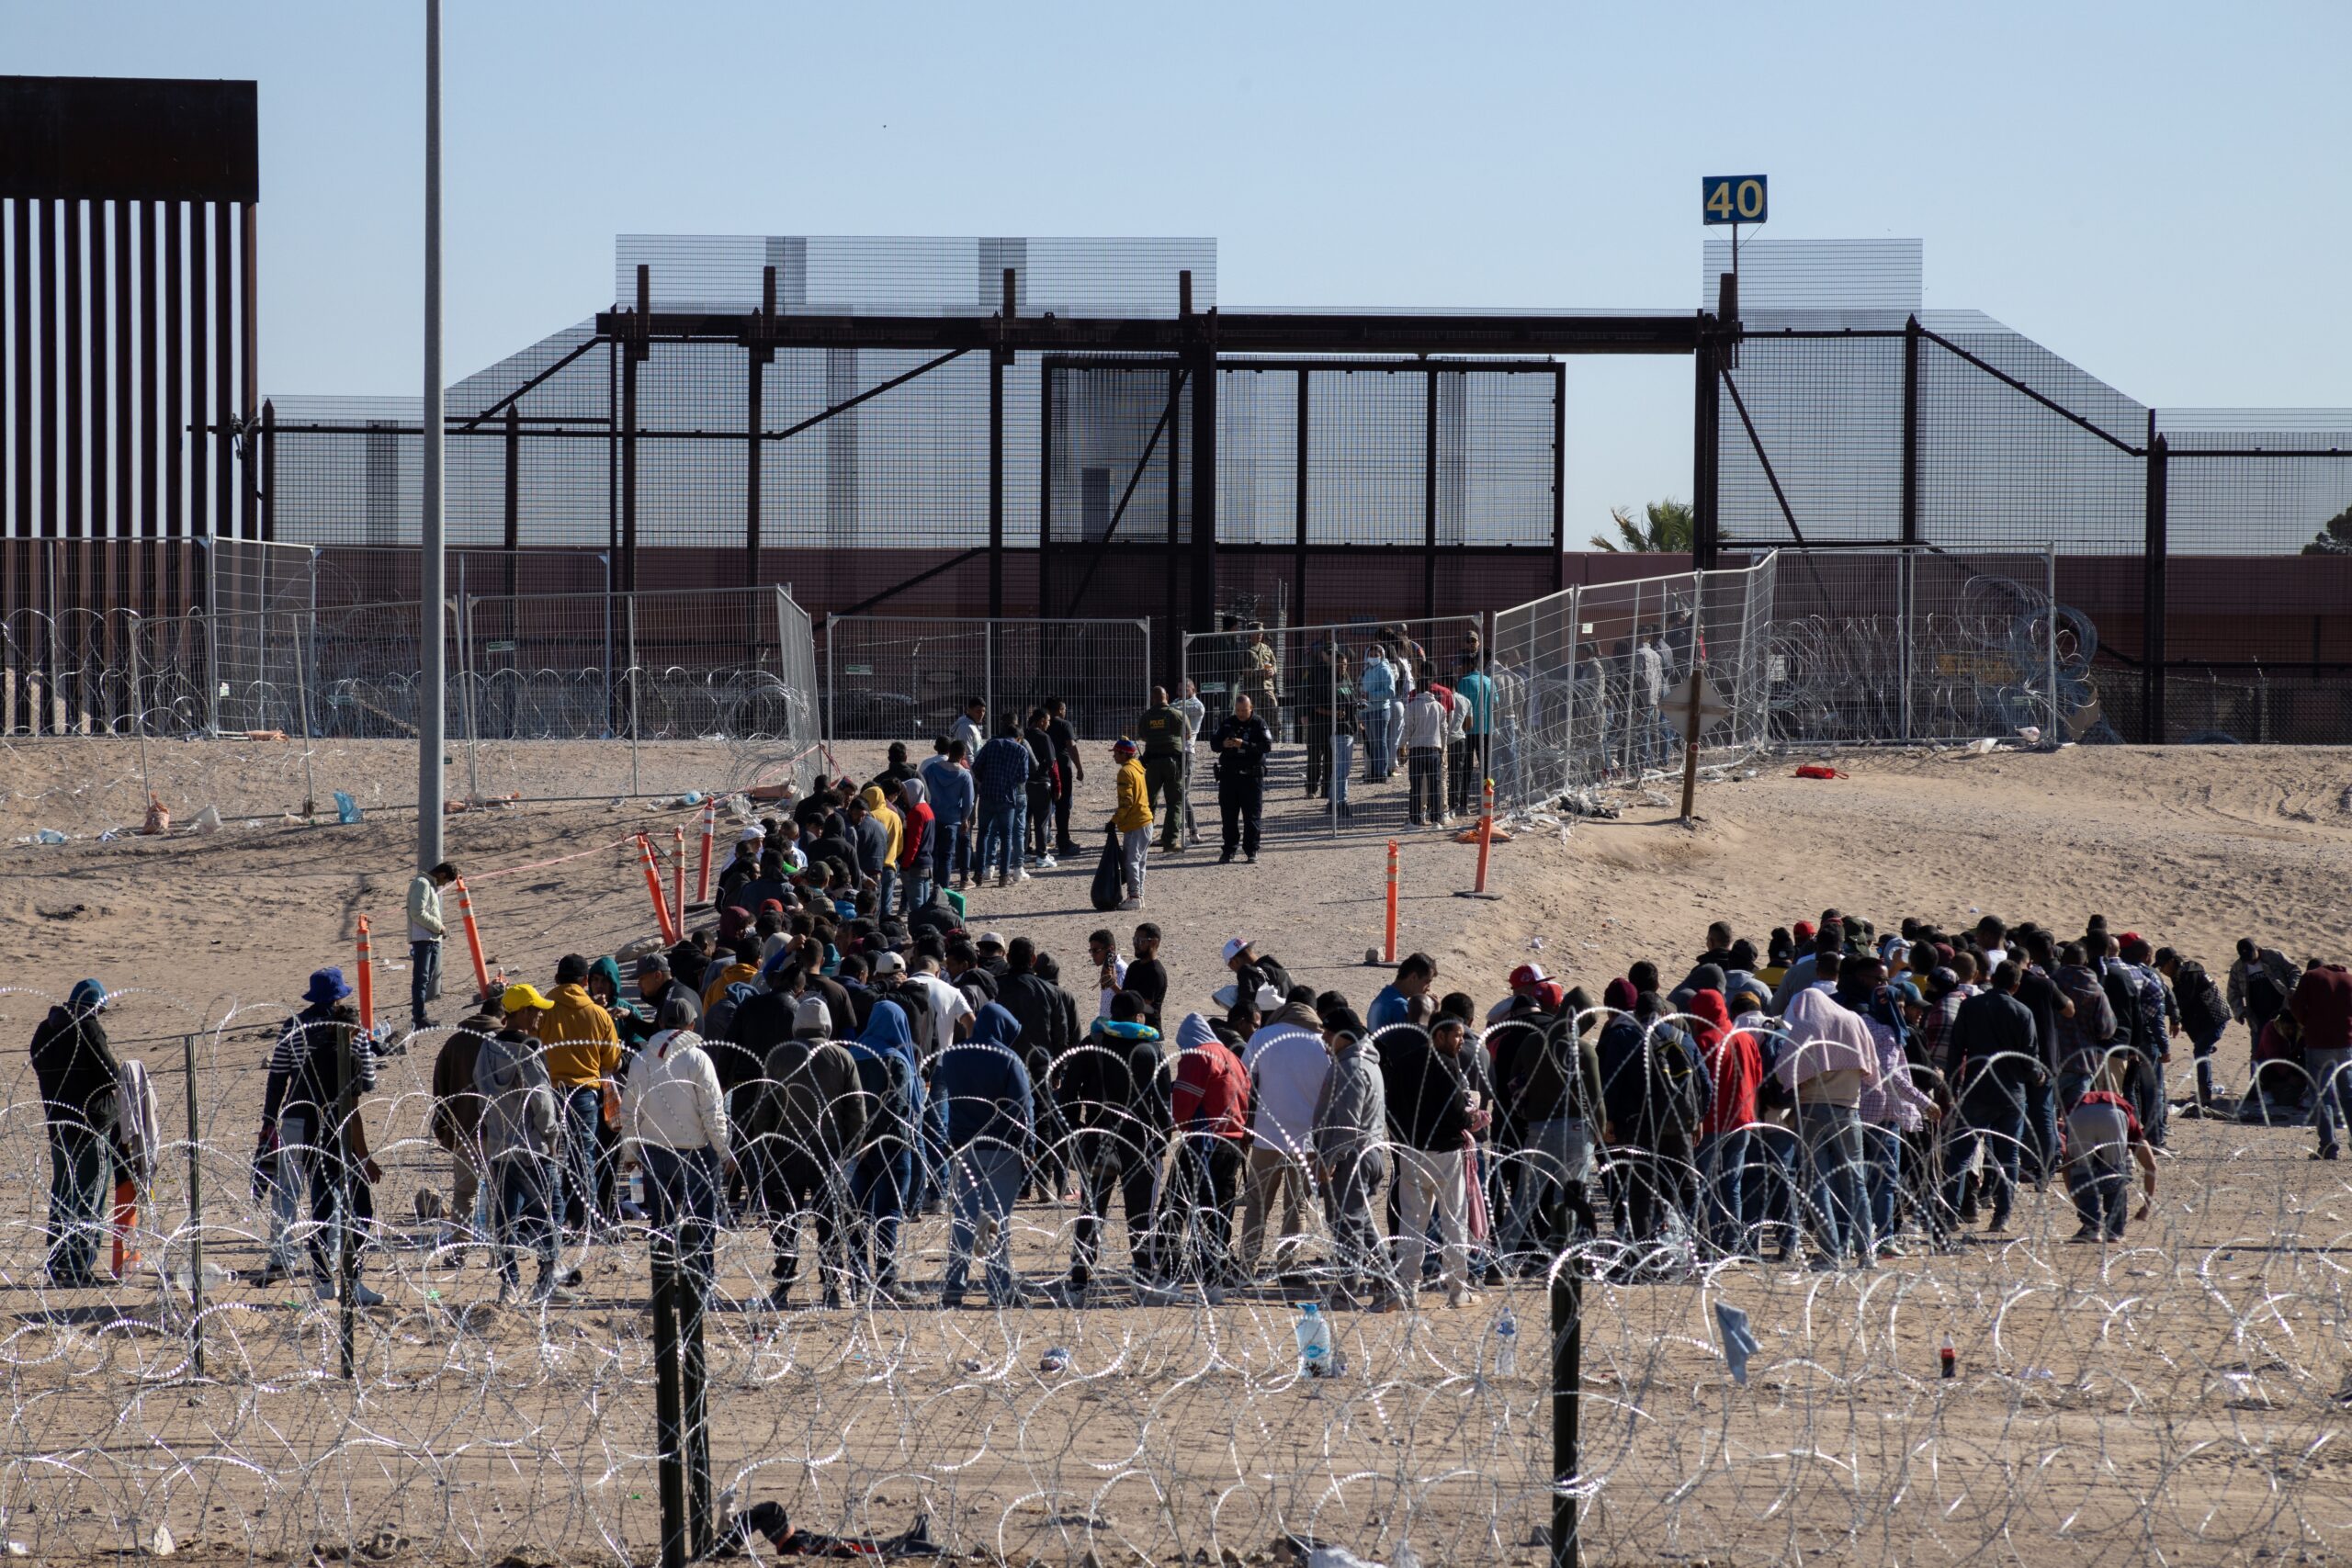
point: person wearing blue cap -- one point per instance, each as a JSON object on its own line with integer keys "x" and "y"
{"x": 77, "y": 1074}
{"x": 318, "y": 1140}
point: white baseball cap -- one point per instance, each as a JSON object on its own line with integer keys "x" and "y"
{"x": 889, "y": 964}
{"x": 751, "y": 835}
{"x": 1234, "y": 949}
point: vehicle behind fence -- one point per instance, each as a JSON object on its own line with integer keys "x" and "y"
{"x": 900, "y": 678}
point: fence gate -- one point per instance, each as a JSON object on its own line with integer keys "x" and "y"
{"x": 902, "y": 678}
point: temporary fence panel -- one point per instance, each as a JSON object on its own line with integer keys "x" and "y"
{"x": 1581, "y": 678}
{"x": 897, "y": 678}
{"x": 1920, "y": 644}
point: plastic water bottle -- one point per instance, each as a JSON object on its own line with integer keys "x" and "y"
{"x": 1314, "y": 1341}
{"x": 1506, "y": 1345}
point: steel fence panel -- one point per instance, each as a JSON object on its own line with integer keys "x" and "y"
{"x": 1923, "y": 643}
{"x": 1579, "y": 676}
{"x": 906, "y": 678}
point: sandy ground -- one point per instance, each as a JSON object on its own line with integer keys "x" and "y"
{"x": 2174, "y": 1400}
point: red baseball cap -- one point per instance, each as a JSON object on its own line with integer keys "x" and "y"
{"x": 1527, "y": 975}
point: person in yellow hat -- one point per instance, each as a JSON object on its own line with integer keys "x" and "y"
{"x": 584, "y": 1054}
{"x": 516, "y": 1127}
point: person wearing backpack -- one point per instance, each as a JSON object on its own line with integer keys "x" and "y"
{"x": 991, "y": 1121}
{"x": 1550, "y": 1073}
{"x": 310, "y": 1116}
{"x": 882, "y": 1183}
{"x": 1105, "y": 1091}
{"x": 805, "y": 1129}
{"x": 2204, "y": 1017}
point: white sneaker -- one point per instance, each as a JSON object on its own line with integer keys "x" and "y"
{"x": 1022, "y": 876}
{"x": 1045, "y": 862}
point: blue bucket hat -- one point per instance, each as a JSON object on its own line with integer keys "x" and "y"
{"x": 87, "y": 997}
{"x": 327, "y": 987}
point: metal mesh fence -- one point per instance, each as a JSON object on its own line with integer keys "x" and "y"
{"x": 549, "y": 696}
{"x": 1582, "y": 678}
{"x": 1928, "y": 645}
{"x": 897, "y": 678}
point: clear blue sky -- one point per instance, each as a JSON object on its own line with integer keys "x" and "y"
{"x": 2152, "y": 189}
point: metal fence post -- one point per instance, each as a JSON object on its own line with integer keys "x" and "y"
{"x": 211, "y": 640}
{"x": 1567, "y": 1384}
{"x": 1576, "y": 654}
{"x": 302, "y": 701}
{"x": 832, "y": 699}
{"x": 634, "y": 689}
{"x": 987, "y": 669}
{"x": 194, "y": 1211}
{"x": 2050, "y": 585}
{"x": 138, "y": 705}
{"x": 1144, "y": 622}
{"x": 466, "y": 686}
{"x": 1904, "y": 624}
{"x": 668, "y": 1402}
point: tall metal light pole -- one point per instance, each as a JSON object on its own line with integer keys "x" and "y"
{"x": 432, "y": 702}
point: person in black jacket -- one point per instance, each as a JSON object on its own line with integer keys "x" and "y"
{"x": 1994, "y": 1043}
{"x": 1046, "y": 1033}
{"x": 1239, "y": 746}
{"x": 1111, "y": 1098}
{"x": 1430, "y": 1119}
{"x": 311, "y": 1117}
{"x": 79, "y": 1088}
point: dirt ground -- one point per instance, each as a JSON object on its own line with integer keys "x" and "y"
{"x": 2177, "y": 1399}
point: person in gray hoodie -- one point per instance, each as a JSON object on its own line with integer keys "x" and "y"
{"x": 1351, "y": 1159}
{"x": 517, "y": 1129}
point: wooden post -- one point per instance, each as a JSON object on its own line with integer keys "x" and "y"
{"x": 1691, "y": 740}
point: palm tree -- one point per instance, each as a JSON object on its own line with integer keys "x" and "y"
{"x": 1668, "y": 529}
{"x": 2334, "y": 536}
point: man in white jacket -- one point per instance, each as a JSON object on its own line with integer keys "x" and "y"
{"x": 424, "y": 934}
{"x": 674, "y": 1121}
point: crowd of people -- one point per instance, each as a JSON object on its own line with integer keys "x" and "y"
{"x": 833, "y": 1054}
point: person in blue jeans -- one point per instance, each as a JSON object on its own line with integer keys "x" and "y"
{"x": 883, "y": 1180}
{"x": 949, "y": 784}
{"x": 990, "y": 1120}
{"x": 1000, "y": 775}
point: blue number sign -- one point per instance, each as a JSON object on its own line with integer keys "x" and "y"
{"x": 1732, "y": 198}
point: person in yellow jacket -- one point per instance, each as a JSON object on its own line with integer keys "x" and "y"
{"x": 584, "y": 1054}
{"x": 1133, "y": 820}
{"x": 736, "y": 960}
{"x": 896, "y": 826}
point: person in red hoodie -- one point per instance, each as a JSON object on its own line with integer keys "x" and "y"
{"x": 1210, "y": 1100}
{"x": 914, "y": 843}
{"x": 1735, "y": 1067}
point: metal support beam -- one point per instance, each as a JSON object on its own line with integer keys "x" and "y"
{"x": 224, "y": 386}
{"x": 633, "y": 349}
{"x": 1559, "y": 477}
{"x": 1706, "y": 417}
{"x": 2152, "y": 563}
{"x": 1910, "y": 517}
{"x": 1299, "y": 616}
{"x": 1428, "y": 495}
{"x": 249, "y": 339}
{"x": 1203, "y": 371}
{"x": 999, "y": 358}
